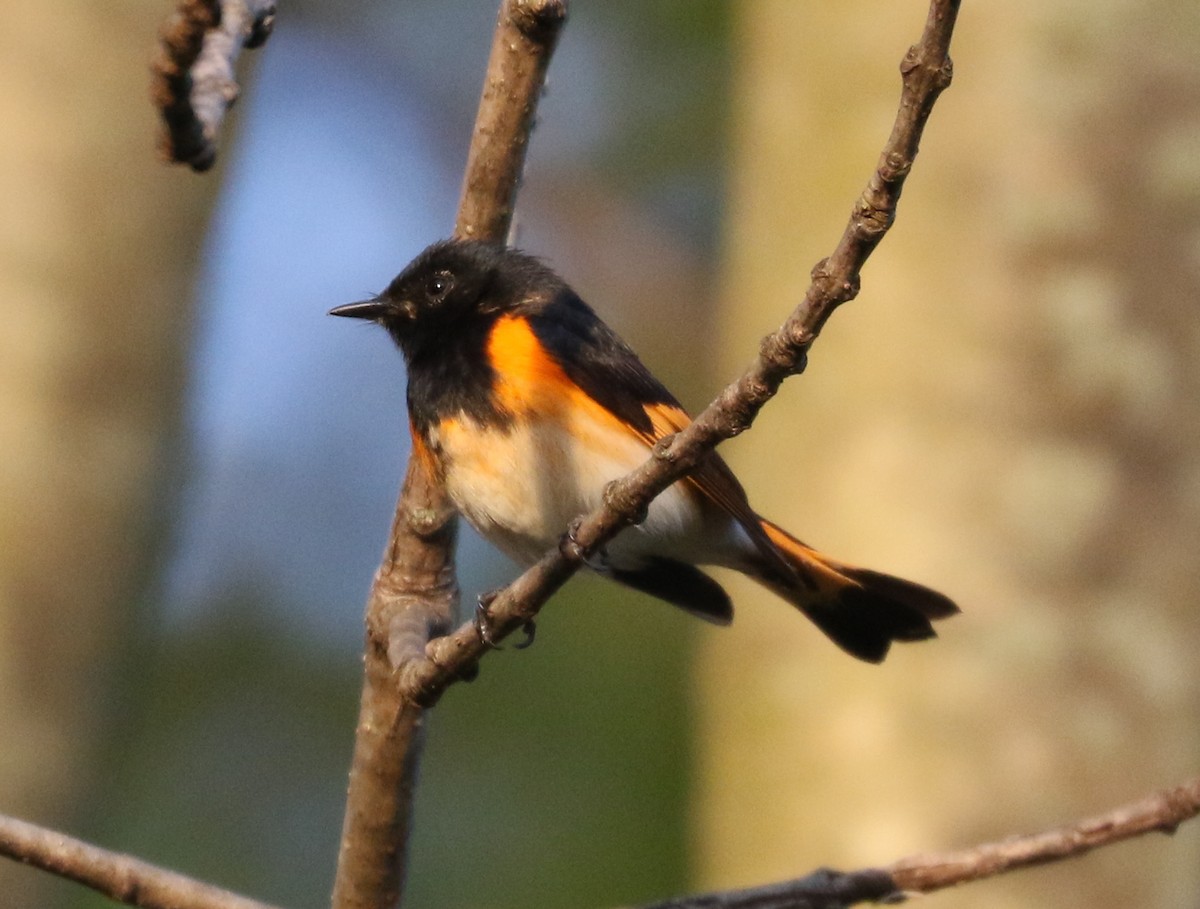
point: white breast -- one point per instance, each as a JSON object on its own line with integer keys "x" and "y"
{"x": 521, "y": 487}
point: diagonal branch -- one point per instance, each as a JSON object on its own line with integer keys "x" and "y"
{"x": 121, "y": 877}
{"x": 926, "y": 71}
{"x": 193, "y": 81}
{"x": 825, "y": 889}
{"x": 414, "y": 592}
{"x": 1160, "y": 812}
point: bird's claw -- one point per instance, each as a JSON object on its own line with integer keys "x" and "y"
{"x": 570, "y": 547}
{"x": 483, "y": 621}
{"x": 485, "y": 629}
{"x": 530, "y": 630}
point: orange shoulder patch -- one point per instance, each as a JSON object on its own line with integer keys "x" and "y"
{"x": 528, "y": 377}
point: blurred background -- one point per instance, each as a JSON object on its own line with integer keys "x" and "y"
{"x": 199, "y": 467}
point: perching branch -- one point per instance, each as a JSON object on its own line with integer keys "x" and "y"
{"x": 122, "y": 877}
{"x": 414, "y": 593}
{"x": 824, "y": 889}
{"x": 926, "y": 71}
{"x": 193, "y": 81}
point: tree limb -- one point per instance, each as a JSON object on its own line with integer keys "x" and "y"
{"x": 193, "y": 83}
{"x": 122, "y": 877}
{"x": 414, "y": 593}
{"x": 926, "y": 71}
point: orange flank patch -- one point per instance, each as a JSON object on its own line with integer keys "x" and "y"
{"x": 529, "y": 382}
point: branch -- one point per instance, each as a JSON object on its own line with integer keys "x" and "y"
{"x": 926, "y": 71}
{"x": 414, "y": 593}
{"x": 526, "y": 34}
{"x": 193, "y": 83}
{"x": 121, "y": 877}
{"x": 1160, "y": 812}
{"x": 825, "y": 889}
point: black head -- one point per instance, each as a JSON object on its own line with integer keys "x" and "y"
{"x": 450, "y": 284}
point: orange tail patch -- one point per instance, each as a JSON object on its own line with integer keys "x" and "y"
{"x": 861, "y": 611}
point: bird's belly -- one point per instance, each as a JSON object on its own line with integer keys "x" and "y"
{"x": 521, "y": 486}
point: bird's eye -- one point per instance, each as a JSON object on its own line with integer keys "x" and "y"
{"x": 437, "y": 286}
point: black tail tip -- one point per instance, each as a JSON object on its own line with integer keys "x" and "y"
{"x": 879, "y": 609}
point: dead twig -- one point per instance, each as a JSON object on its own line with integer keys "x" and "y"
{"x": 1160, "y": 812}
{"x": 193, "y": 83}
{"x": 825, "y": 889}
{"x": 122, "y": 877}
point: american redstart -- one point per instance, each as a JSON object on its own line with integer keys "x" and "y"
{"x": 525, "y": 405}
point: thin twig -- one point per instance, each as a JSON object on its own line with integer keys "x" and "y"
{"x": 926, "y": 71}
{"x": 415, "y": 593}
{"x": 193, "y": 80}
{"x": 122, "y": 877}
{"x": 1160, "y": 812}
{"x": 825, "y": 889}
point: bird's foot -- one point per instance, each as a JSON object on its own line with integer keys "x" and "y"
{"x": 530, "y": 631}
{"x": 572, "y": 549}
{"x": 486, "y": 630}
{"x": 483, "y": 621}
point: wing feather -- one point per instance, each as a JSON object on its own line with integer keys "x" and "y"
{"x": 607, "y": 370}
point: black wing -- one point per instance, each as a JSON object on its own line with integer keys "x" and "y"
{"x": 596, "y": 359}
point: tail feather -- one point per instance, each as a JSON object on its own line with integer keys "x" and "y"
{"x": 861, "y": 611}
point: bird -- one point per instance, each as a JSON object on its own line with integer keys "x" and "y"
{"x": 525, "y": 404}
